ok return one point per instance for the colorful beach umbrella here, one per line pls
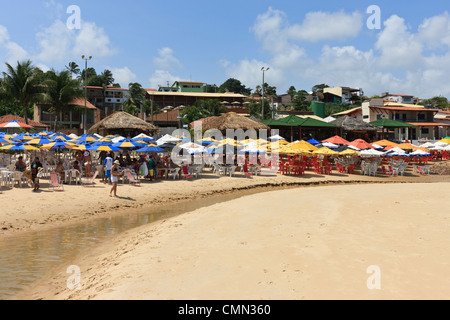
(7, 141)
(105, 140)
(386, 143)
(337, 140)
(19, 147)
(128, 144)
(349, 152)
(23, 137)
(107, 148)
(361, 144)
(151, 148)
(40, 141)
(58, 145)
(445, 140)
(60, 136)
(303, 145)
(15, 124)
(406, 146)
(326, 152)
(314, 142)
(85, 138)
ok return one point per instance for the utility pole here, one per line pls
(263, 69)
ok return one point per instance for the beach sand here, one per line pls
(23, 211)
(303, 243)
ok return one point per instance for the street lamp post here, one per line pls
(85, 91)
(263, 69)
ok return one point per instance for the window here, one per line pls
(365, 117)
(403, 130)
(425, 131)
(404, 117)
(379, 116)
(397, 116)
(421, 117)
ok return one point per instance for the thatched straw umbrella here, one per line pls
(353, 124)
(234, 121)
(122, 123)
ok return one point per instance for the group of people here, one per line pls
(35, 168)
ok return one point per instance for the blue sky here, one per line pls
(304, 43)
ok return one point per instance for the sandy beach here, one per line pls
(303, 243)
(24, 211)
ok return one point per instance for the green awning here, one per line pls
(294, 121)
(291, 121)
(388, 123)
(311, 122)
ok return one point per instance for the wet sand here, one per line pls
(303, 243)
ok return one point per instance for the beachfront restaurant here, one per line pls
(294, 128)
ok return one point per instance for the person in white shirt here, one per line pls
(108, 164)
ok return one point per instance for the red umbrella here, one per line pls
(14, 124)
(361, 144)
(337, 140)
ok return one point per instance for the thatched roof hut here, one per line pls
(122, 123)
(353, 124)
(234, 121)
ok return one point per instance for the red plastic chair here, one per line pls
(186, 173)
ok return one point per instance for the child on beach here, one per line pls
(115, 174)
(36, 166)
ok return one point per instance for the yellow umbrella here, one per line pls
(105, 139)
(303, 145)
(446, 140)
(406, 146)
(298, 151)
(349, 152)
(228, 141)
(421, 148)
(386, 143)
(326, 152)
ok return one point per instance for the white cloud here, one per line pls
(162, 78)
(124, 76)
(59, 44)
(166, 60)
(319, 26)
(250, 74)
(435, 31)
(282, 40)
(10, 51)
(400, 60)
(92, 40)
(398, 46)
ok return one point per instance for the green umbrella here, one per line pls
(388, 123)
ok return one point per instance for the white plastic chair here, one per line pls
(16, 177)
(173, 173)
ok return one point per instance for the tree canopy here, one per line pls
(234, 85)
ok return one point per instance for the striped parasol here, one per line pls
(85, 138)
(19, 147)
(58, 145)
(41, 141)
(151, 148)
(128, 144)
(15, 124)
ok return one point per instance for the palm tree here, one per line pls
(107, 77)
(135, 102)
(21, 83)
(60, 91)
(73, 68)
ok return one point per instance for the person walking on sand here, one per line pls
(36, 166)
(108, 163)
(115, 174)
